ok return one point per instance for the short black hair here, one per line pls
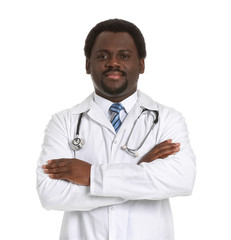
(116, 25)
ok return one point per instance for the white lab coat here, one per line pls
(125, 201)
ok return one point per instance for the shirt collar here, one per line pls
(105, 104)
(141, 100)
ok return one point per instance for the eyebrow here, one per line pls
(121, 51)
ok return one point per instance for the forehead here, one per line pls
(111, 41)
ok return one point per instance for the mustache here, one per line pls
(112, 69)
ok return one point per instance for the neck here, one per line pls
(115, 99)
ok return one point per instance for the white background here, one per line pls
(188, 67)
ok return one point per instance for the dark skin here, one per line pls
(114, 66)
(114, 62)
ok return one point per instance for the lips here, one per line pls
(114, 74)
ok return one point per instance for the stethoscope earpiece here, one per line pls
(130, 151)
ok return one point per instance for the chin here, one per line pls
(115, 91)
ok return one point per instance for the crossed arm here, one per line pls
(78, 171)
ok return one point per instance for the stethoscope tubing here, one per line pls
(79, 122)
(78, 143)
(133, 151)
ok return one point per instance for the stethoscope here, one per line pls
(77, 143)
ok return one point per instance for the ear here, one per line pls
(88, 66)
(142, 65)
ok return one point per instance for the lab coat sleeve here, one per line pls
(159, 179)
(61, 194)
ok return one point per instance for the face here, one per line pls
(114, 65)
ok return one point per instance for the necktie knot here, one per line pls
(116, 122)
(116, 107)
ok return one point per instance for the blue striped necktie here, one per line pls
(115, 121)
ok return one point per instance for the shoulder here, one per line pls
(146, 101)
(84, 106)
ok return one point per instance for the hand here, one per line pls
(161, 150)
(73, 170)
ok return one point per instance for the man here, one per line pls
(106, 189)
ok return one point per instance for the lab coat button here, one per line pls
(115, 142)
(112, 208)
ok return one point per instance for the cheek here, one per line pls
(133, 72)
(96, 76)
(97, 69)
(94, 73)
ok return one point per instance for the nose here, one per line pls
(113, 61)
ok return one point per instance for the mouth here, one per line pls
(114, 74)
(114, 81)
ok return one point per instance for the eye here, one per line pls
(102, 56)
(125, 56)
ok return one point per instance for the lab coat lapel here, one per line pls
(131, 117)
(97, 114)
(143, 102)
(93, 111)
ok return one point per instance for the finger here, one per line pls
(57, 176)
(164, 143)
(166, 146)
(57, 160)
(56, 170)
(160, 145)
(172, 147)
(55, 163)
(168, 151)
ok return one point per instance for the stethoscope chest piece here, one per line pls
(77, 143)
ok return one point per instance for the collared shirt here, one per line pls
(105, 104)
(125, 201)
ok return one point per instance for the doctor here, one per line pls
(105, 192)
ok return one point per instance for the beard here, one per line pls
(116, 91)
